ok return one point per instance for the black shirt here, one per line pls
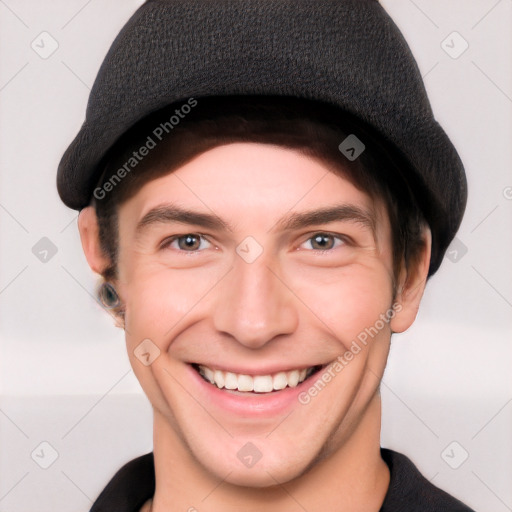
(408, 490)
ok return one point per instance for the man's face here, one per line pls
(224, 269)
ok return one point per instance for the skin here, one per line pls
(295, 306)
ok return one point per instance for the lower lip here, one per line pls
(247, 403)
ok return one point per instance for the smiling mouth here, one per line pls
(255, 383)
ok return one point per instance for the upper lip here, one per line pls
(267, 370)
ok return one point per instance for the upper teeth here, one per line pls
(256, 383)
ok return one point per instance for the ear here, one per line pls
(411, 287)
(89, 235)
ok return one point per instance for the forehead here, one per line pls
(252, 186)
(264, 174)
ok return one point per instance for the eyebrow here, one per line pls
(342, 212)
(168, 213)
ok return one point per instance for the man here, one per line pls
(265, 192)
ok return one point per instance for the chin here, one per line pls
(275, 465)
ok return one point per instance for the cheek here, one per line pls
(161, 301)
(346, 301)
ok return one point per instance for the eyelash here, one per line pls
(167, 242)
(342, 238)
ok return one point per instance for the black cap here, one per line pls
(347, 53)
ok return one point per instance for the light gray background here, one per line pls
(64, 375)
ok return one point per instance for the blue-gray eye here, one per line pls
(323, 241)
(190, 242)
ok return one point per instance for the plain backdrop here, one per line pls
(65, 379)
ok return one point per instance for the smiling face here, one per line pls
(254, 273)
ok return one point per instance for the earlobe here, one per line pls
(89, 235)
(411, 287)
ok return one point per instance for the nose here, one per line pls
(254, 304)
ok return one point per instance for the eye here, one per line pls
(323, 242)
(191, 242)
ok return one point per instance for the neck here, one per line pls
(352, 477)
